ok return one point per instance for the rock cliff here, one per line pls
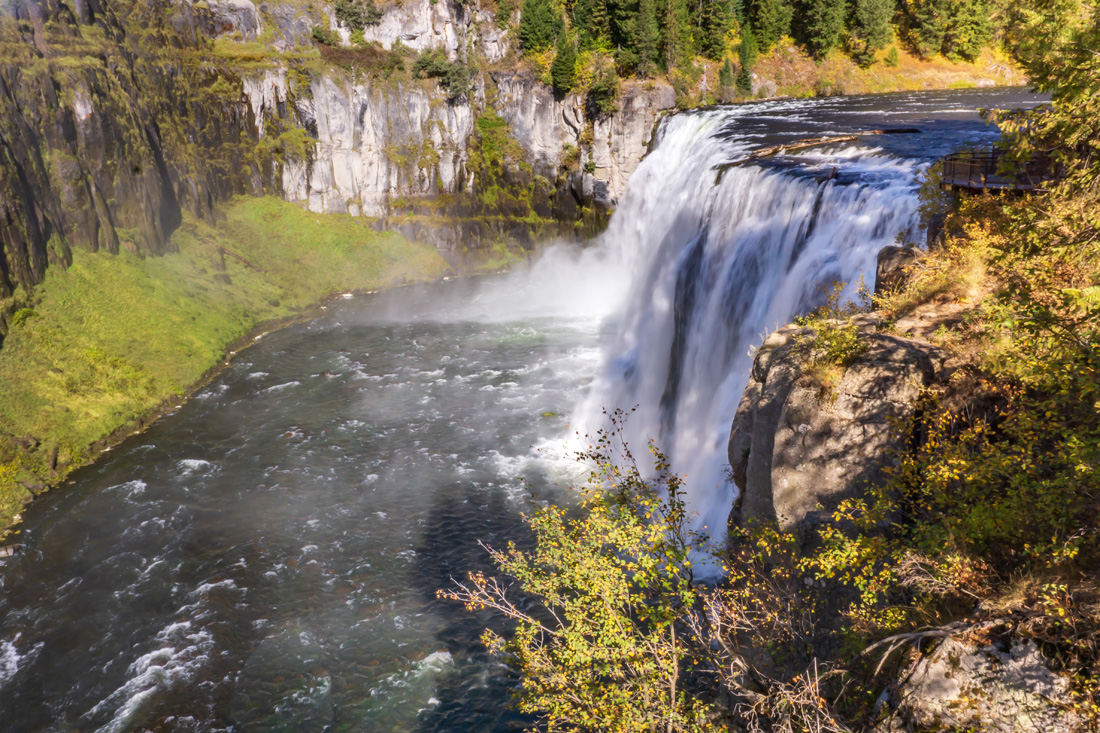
(118, 115)
(797, 450)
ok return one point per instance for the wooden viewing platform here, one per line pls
(978, 170)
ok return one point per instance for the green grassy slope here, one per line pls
(108, 340)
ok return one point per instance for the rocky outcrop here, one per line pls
(1005, 687)
(797, 448)
(891, 267)
(544, 125)
(457, 28)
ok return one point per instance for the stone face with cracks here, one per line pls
(796, 453)
(1000, 688)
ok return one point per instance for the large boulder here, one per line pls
(1005, 687)
(797, 449)
(891, 267)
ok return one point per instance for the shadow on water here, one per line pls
(460, 518)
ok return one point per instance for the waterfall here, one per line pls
(715, 257)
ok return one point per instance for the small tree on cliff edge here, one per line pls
(563, 72)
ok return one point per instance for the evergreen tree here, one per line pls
(539, 25)
(622, 19)
(563, 72)
(727, 81)
(747, 58)
(771, 19)
(592, 21)
(968, 29)
(646, 37)
(726, 76)
(749, 49)
(870, 28)
(821, 23)
(928, 25)
(715, 18)
(676, 32)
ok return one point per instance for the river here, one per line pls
(266, 558)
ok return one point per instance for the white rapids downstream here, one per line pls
(266, 558)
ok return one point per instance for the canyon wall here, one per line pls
(116, 116)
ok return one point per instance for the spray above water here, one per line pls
(716, 256)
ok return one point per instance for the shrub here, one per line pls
(324, 37)
(605, 647)
(21, 316)
(603, 92)
(892, 57)
(369, 57)
(355, 14)
(453, 76)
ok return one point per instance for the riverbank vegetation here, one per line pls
(986, 530)
(102, 344)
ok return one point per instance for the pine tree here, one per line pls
(968, 29)
(747, 58)
(726, 76)
(927, 21)
(646, 37)
(870, 28)
(727, 81)
(715, 18)
(749, 50)
(539, 25)
(820, 26)
(563, 72)
(622, 17)
(592, 21)
(771, 20)
(676, 31)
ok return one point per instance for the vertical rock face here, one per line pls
(119, 115)
(797, 451)
(545, 125)
(375, 144)
(456, 28)
(94, 141)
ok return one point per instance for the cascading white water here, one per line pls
(717, 259)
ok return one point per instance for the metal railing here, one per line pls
(980, 169)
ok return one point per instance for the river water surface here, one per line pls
(266, 558)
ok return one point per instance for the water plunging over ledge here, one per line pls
(266, 558)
